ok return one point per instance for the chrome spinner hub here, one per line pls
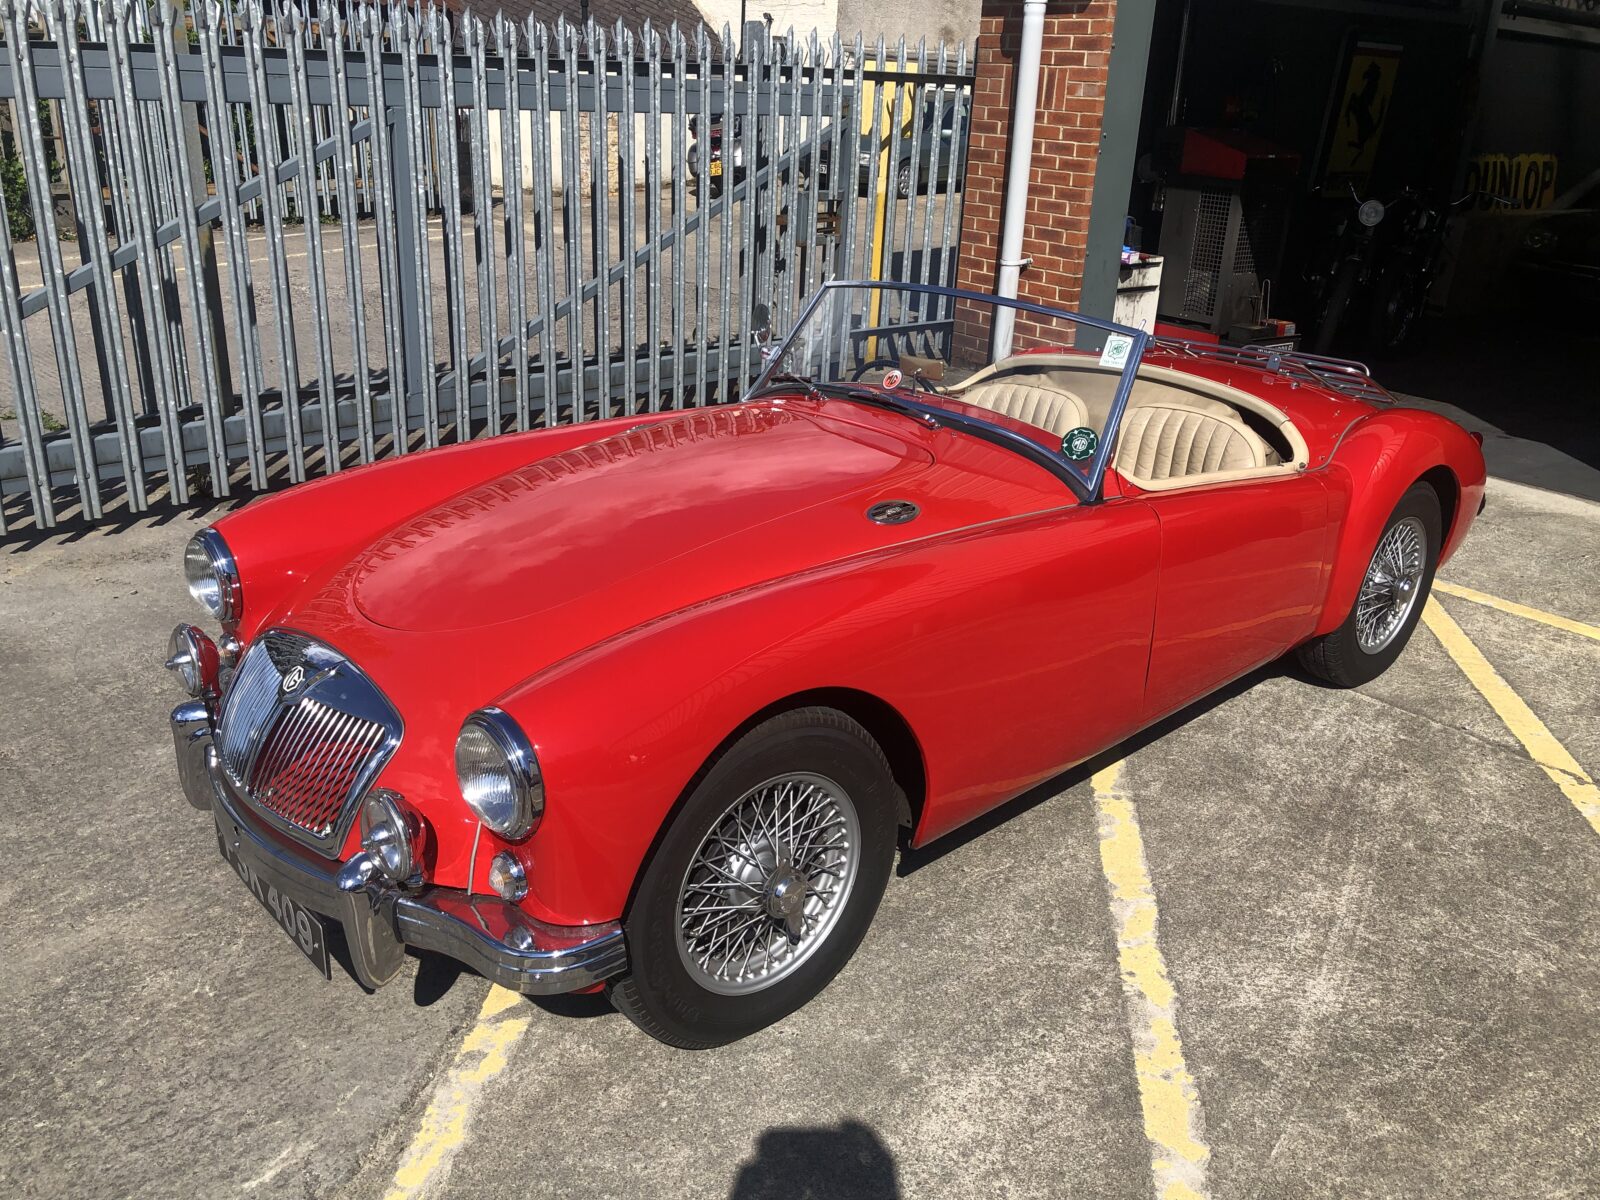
(768, 883)
(786, 898)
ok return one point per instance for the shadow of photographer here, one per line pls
(848, 1162)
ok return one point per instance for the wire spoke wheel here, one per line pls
(767, 884)
(1392, 584)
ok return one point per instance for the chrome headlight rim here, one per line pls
(522, 774)
(221, 572)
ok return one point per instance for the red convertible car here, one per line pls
(648, 704)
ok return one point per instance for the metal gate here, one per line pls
(292, 242)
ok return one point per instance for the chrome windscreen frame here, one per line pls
(1087, 482)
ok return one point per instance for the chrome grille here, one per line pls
(302, 755)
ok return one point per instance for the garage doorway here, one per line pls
(1409, 186)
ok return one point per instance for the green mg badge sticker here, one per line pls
(1079, 443)
(1115, 353)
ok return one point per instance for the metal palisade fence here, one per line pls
(248, 245)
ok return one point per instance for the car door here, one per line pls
(1243, 568)
(1031, 643)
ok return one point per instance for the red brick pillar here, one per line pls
(1072, 92)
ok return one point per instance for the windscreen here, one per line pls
(1065, 378)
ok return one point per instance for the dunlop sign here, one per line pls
(1526, 180)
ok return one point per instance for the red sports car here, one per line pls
(649, 703)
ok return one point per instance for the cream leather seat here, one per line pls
(1048, 408)
(1169, 441)
(1146, 393)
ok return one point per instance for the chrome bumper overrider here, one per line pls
(493, 937)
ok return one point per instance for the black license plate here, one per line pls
(305, 928)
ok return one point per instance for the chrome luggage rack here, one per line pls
(1340, 374)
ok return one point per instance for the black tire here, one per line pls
(1396, 310)
(1344, 286)
(1338, 657)
(659, 993)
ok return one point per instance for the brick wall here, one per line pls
(1072, 90)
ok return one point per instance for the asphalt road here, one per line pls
(1373, 968)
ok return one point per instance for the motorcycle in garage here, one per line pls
(1383, 262)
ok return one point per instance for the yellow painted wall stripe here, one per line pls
(483, 1055)
(1539, 742)
(1173, 1119)
(1518, 610)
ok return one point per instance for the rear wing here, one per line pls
(1339, 374)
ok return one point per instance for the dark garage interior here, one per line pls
(1413, 185)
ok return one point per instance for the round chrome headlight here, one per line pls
(193, 658)
(499, 774)
(213, 578)
(386, 835)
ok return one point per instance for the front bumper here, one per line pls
(493, 937)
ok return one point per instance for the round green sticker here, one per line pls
(1079, 443)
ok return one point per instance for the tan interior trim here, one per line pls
(1299, 457)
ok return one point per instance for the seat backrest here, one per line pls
(1150, 391)
(1048, 408)
(1168, 441)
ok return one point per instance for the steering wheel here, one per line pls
(876, 364)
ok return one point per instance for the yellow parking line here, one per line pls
(1518, 610)
(1173, 1119)
(483, 1055)
(1539, 742)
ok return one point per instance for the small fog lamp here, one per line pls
(192, 657)
(507, 877)
(389, 835)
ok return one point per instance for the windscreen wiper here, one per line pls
(809, 386)
(845, 391)
(937, 418)
(888, 400)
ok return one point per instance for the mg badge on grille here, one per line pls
(293, 680)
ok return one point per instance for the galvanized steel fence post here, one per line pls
(348, 147)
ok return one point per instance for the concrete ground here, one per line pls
(1376, 914)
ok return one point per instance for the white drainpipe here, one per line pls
(1017, 170)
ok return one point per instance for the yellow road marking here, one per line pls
(1539, 742)
(483, 1055)
(1518, 610)
(1173, 1119)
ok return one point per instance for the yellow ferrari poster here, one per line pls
(1358, 121)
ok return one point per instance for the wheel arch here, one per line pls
(1447, 487)
(882, 721)
(1380, 460)
(879, 718)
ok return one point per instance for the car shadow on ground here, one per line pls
(437, 975)
(846, 1162)
(912, 860)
